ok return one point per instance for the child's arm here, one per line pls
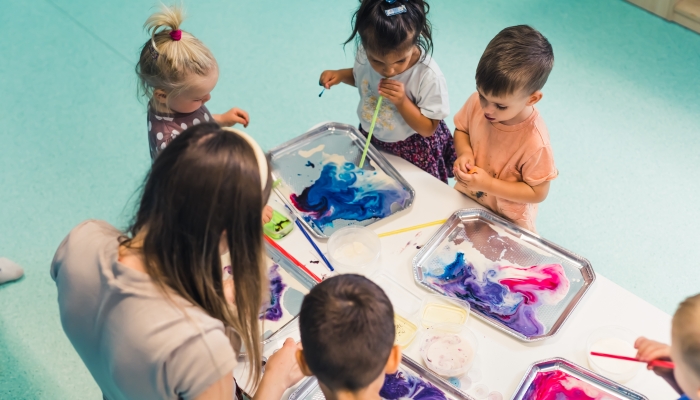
(333, 77)
(479, 180)
(465, 154)
(395, 92)
(649, 350)
(232, 117)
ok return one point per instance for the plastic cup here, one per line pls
(448, 349)
(613, 340)
(354, 250)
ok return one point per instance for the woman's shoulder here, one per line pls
(83, 242)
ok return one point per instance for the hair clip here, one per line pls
(394, 11)
(154, 52)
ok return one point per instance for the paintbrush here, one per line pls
(311, 241)
(652, 363)
(292, 259)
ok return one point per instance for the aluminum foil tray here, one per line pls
(303, 281)
(309, 389)
(297, 164)
(607, 388)
(491, 240)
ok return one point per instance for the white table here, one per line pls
(503, 359)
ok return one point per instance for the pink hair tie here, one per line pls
(176, 35)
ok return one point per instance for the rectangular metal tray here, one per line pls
(599, 382)
(337, 139)
(296, 273)
(517, 245)
(309, 389)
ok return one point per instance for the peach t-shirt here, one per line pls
(512, 153)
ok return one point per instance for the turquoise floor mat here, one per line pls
(621, 105)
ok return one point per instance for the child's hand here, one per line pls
(476, 179)
(267, 214)
(232, 117)
(462, 162)
(649, 350)
(330, 78)
(394, 91)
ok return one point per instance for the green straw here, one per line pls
(371, 130)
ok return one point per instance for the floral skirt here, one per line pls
(435, 155)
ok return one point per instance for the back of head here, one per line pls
(381, 33)
(171, 54)
(208, 181)
(518, 58)
(347, 331)
(686, 332)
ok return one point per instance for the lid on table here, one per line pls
(406, 306)
(438, 309)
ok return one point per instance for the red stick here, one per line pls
(653, 363)
(292, 259)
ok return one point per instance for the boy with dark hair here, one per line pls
(347, 334)
(684, 350)
(504, 158)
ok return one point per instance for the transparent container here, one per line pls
(613, 340)
(354, 250)
(448, 350)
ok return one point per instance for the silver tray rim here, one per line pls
(589, 276)
(372, 153)
(311, 382)
(599, 379)
(296, 273)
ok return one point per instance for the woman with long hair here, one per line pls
(147, 310)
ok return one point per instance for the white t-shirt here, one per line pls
(136, 343)
(424, 84)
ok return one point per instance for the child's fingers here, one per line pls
(244, 114)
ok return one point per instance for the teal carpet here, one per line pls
(622, 106)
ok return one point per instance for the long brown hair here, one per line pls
(207, 182)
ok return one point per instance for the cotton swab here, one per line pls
(292, 259)
(653, 363)
(321, 94)
(371, 130)
(411, 228)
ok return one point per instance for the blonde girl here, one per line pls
(177, 73)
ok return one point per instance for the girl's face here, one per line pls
(195, 94)
(395, 62)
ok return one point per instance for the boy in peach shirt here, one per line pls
(504, 158)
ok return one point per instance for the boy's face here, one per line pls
(686, 378)
(508, 108)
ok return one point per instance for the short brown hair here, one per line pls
(519, 57)
(347, 331)
(686, 328)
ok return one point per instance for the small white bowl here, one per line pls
(613, 340)
(448, 350)
(354, 249)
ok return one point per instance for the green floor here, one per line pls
(622, 106)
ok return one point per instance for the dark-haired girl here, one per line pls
(394, 46)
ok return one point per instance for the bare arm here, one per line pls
(395, 92)
(465, 154)
(333, 77)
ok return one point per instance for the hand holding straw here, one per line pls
(371, 130)
(653, 363)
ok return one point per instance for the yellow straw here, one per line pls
(412, 228)
(371, 130)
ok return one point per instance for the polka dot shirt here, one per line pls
(163, 128)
